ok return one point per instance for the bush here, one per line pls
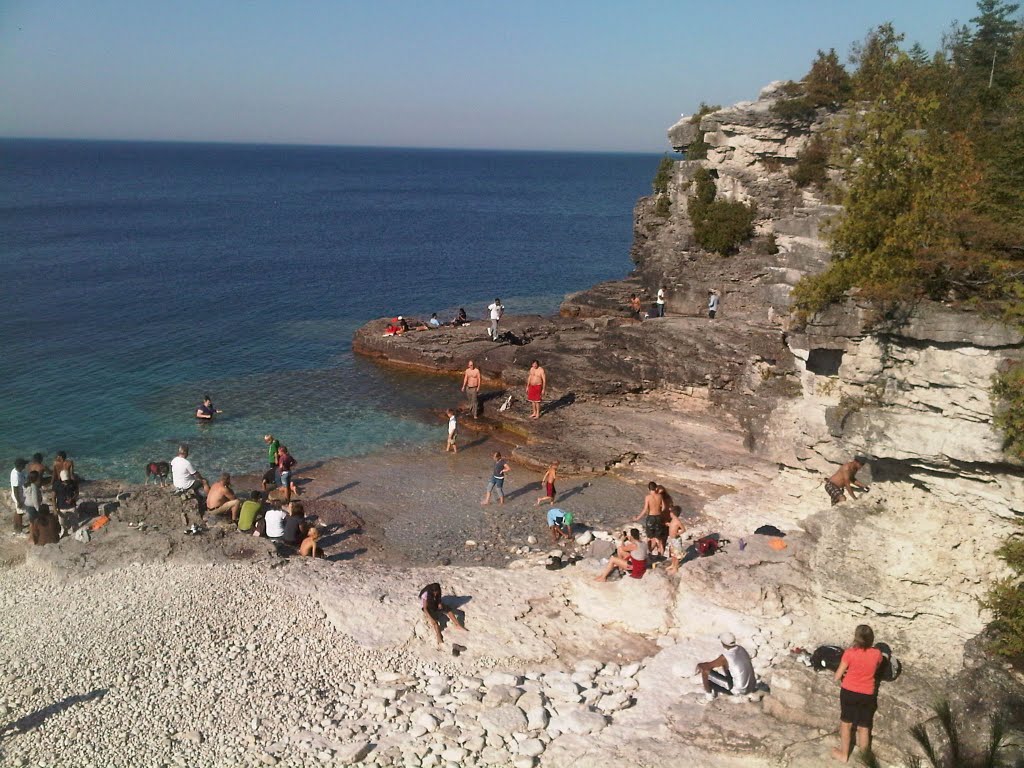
(766, 246)
(666, 168)
(698, 149)
(663, 206)
(799, 109)
(718, 225)
(828, 83)
(811, 164)
(1008, 391)
(1006, 601)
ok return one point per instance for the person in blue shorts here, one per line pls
(497, 482)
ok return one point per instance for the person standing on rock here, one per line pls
(736, 677)
(659, 302)
(471, 386)
(62, 463)
(431, 603)
(272, 445)
(497, 310)
(65, 499)
(453, 432)
(651, 515)
(712, 303)
(19, 479)
(536, 385)
(548, 482)
(634, 307)
(497, 482)
(858, 694)
(844, 481)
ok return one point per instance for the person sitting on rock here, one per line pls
(844, 481)
(736, 677)
(630, 558)
(295, 527)
(185, 476)
(560, 524)
(460, 317)
(250, 513)
(433, 322)
(222, 500)
(44, 528)
(431, 603)
(272, 524)
(309, 546)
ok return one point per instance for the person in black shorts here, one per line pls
(858, 697)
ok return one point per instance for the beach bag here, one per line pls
(707, 546)
(507, 404)
(826, 657)
(890, 667)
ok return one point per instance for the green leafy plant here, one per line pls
(663, 175)
(718, 225)
(811, 164)
(767, 245)
(663, 206)
(698, 149)
(1008, 391)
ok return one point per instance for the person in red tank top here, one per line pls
(858, 695)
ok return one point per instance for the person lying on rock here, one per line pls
(844, 481)
(736, 677)
(631, 557)
(432, 603)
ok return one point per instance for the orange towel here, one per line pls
(99, 522)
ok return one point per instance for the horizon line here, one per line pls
(317, 145)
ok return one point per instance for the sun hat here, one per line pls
(728, 639)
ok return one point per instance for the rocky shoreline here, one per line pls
(145, 646)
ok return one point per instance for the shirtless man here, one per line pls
(844, 481)
(634, 306)
(36, 465)
(651, 515)
(536, 384)
(471, 386)
(221, 500)
(62, 463)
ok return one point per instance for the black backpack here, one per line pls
(826, 657)
(890, 667)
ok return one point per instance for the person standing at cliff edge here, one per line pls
(496, 310)
(660, 302)
(712, 303)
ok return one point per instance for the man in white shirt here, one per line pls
(18, 481)
(736, 677)
(496, 310)
(660, 301)
(187, 478)
(272, 524)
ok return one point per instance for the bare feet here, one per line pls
(484, 503)
(837, 754)
(600, 578)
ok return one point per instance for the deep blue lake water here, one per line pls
(137, 276)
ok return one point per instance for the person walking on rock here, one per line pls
(548, 482)
(858, 694)
(496, 310)
(844, 481)
(536, 385)
(453, 433)
(497, 482)
(471, 386)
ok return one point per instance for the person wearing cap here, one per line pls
(736, 677)
(560, 523)
(496, 311)
(65, 499)
(844, 481)
(712, 303)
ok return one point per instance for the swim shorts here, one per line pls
(652, 526)
(549, 490)
(857, 709)
(637, 568)
(533, 393)
(834, 492)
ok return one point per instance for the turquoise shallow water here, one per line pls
(139, 276)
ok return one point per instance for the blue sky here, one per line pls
(519, 75)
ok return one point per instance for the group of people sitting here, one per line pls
(400, 325)
(270, 513)
(662, 537)
(31, 482)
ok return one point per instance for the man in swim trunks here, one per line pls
(634, 307)
(844, 481)
(497, 483)
(548, 482)
(536, 384)
(651, 515)
(471, 386)
(62, 463)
